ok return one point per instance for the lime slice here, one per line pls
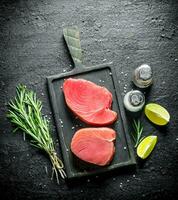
(146, 146)
(157, 114)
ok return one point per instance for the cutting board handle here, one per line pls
(72, 38)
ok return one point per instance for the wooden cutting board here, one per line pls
(67, 124)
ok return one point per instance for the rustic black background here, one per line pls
(127, 32)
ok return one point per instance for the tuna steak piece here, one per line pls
(90, 102)
(94, 145)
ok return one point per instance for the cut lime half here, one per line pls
(157, 114)
(146, 146)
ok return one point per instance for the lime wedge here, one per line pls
(157, 114)
(146, 146)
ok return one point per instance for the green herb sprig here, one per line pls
(138, 129)
(25, 112)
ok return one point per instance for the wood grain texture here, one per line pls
(72, 38)
(127, 32)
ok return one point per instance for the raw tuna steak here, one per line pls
(90, 102)
(94, 145)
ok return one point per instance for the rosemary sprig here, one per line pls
(136, 135)
(25, 112)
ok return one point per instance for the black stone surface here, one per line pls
(128, 33)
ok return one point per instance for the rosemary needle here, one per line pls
(138, 129)
(25, 112)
